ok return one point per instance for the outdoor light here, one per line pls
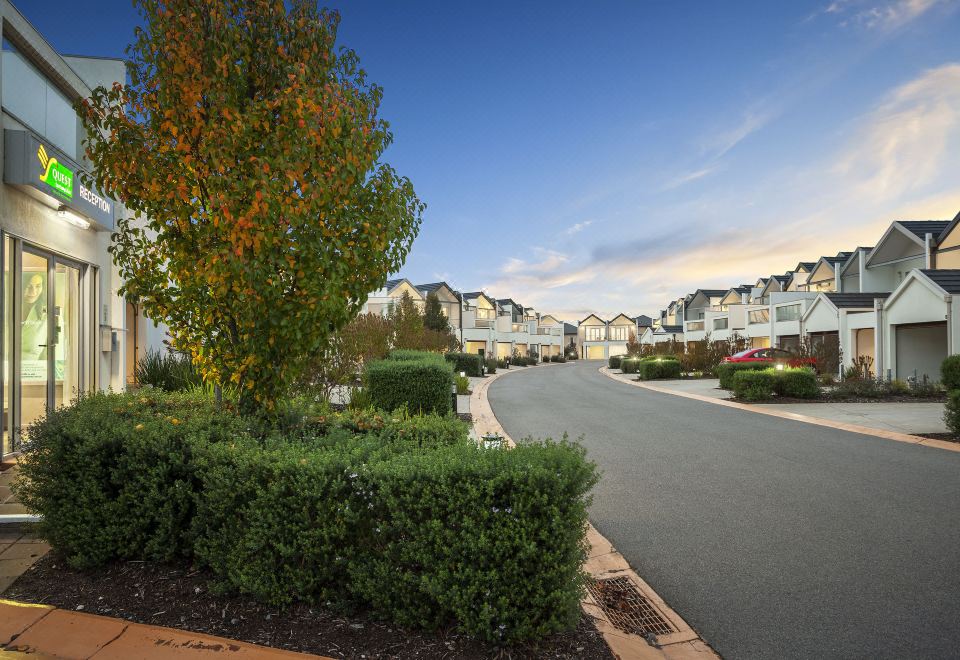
(780, 367)
(73, 218)
(463, 374)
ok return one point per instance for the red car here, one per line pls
(772, 355)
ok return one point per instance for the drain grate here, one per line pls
(627, 608)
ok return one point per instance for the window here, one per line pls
(618, 333)
(595, 333)
(759, 316)
(789, 312)
(34, 100)
(721, 324)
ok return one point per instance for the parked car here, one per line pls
(773, 356)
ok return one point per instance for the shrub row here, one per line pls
(469, 363)
(726, 370)
(657, 367)
(754, 385)
(405, 516)
(558, 358)
(614, 361)
(420, 381)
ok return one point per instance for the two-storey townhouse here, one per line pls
(64, 330)
(592, 337)
(549, 335)
(479, 329)
(728, 317)
(695, 310)
(450, 303)
(918, 323)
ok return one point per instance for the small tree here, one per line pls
(251, 146)
(410, 329)
(433, 316)
(634, 348)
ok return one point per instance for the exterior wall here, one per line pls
(887, 277)
(850, 283)
(914, 304)
(948, 258)
(475, 347)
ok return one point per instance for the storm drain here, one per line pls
(627, 608)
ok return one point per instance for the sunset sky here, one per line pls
(606, 157)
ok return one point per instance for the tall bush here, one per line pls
(423, 385)
(951, 413)
(469, 363)
(950, 372)
(613, 362)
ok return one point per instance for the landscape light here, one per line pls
(73, 218)
(780, 367)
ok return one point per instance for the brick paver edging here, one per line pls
(50, 632)
(807, 419)
(604, 562)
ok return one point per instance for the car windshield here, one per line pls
(743, 353)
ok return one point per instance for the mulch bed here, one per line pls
(178, 597)
(857, 399)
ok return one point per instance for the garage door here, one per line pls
(595, 353)
(503, 349)
(475, 347)
(920, 350)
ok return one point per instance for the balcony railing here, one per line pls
(693, 326)
(518, 327)
(483, 323)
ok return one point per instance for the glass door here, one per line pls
(44, 337)
(36, 336)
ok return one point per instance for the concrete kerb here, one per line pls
(818, 421)
(604, 562)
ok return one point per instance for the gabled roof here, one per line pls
(743, 288)
(473, 295)
(669, 329)
(946, 279)
(854, 300)
(948, 228)
(921, 228)
(433, 287)
(390, 285)
(806, 266)
(569, 328)
(643, 321)
(594, 316)
(852, 259)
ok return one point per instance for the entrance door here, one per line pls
(47, 330)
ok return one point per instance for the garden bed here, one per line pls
(178, 597)
(948, 437)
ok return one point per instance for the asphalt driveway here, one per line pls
(772, 538)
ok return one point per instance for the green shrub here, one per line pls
(614, 361)
(629, 365)
(166, 370)
(421, 385)
(503, 363)
(469, 363)
(797, 383)
(899, 387)
(462, 384)
(753, 385)
(491, 365)
(408, 354)
(951, 413)
(726, 370)
(950, 372)
(652, 369)
(403, 515)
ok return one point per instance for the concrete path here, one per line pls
(771, 537)
(908, 417)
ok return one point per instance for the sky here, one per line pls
(607, 157)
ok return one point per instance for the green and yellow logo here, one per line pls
(55, 175)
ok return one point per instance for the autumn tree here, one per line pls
(250, 150)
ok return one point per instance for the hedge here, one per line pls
(796, 383)
(950, 372)
(408, 354)
(652, 369)
(951, 413)
(404, 516)
(629, 365)
(613, 361)
(422, 385)
(469, 363)
(726, 370)
(753, 385)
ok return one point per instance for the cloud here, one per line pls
(580, 226)
(903, 145)
(882, 17)
(689, 177)
(752, 121)
(897, 161)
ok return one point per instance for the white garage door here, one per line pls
(920, 350)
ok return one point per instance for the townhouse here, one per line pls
(481, 323)
(598, 339)
(890, 305)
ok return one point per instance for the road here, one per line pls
(772, 538)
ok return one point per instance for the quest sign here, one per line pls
(28, 161)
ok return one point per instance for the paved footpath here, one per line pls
(772, 538)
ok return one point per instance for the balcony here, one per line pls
(518, 327)
(483, 323)
(694, 326)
